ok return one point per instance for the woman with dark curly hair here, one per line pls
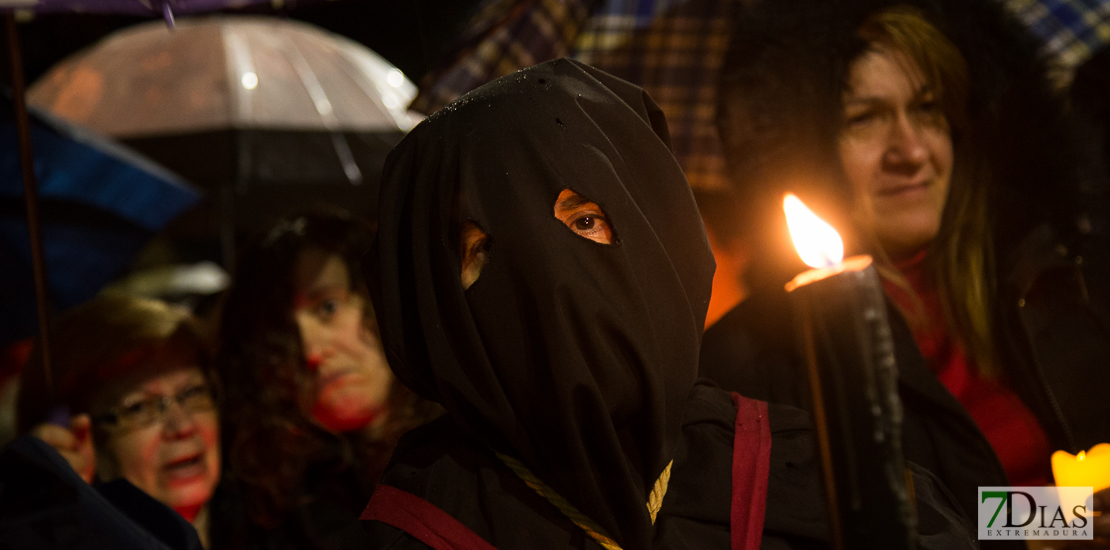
(312, 410)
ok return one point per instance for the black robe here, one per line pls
(439, 463)
(576, 357)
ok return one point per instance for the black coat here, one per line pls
(780, 120)
(440, 464)
(1052, 317)
(44, 505)
(575, 356)
(334, 490)
(326, 518)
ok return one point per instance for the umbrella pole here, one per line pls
(31, 196)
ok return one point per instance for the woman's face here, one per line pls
(173, 456)
(896, 148)
(352, 376)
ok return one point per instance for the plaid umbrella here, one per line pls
(674, 49)
(1072, 30)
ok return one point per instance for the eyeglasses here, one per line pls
(197, 398)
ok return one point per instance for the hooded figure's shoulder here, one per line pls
(443, 466)
(751, 349)
(697, 509)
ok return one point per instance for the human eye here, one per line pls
(192, 391)
(133, 405)
(478, 252)
(860, 118)
(930, 112)
(196, 397)
(328, 303)
(474, 247)
(139, 411)
(583, 217)
(591, 225)
(327, 308)
(928, 107)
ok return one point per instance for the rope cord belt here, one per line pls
(595, 531)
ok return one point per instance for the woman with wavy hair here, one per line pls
(928, 132)
(312, 411)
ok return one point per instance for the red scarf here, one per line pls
(1010, 427)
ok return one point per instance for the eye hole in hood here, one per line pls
(583, 217)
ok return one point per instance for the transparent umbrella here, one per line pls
(165, 8)
(265, 111)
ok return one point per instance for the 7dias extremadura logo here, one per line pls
(1044, 513)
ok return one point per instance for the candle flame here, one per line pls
(817, 242)
(1081, 455)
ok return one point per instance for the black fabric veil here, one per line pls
(573, 356)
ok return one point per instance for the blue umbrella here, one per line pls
(22, 125)
(100, 203)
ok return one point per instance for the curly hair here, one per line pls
(268, 385)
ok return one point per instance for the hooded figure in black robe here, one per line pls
(574, 358)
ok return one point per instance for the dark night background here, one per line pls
(411, 34)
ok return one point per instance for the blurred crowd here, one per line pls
(545, 328)
(302, 403)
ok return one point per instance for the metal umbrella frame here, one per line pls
(276, 108)
(163, 8)
(30, 194)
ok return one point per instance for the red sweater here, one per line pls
(1009, 426)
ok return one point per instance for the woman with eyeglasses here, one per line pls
(133, 375)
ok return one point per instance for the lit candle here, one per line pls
(1087, 469)
(849, 356)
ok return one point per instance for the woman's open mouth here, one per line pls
(186, 467)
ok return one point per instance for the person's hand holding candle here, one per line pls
(1088, 469)
(1102, 520)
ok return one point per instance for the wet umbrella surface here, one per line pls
(267, 113)
(100, 204)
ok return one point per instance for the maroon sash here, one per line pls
(421, 519)
(751, 464)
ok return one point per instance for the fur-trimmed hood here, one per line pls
(780, 113)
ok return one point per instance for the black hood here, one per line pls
(573, 356)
